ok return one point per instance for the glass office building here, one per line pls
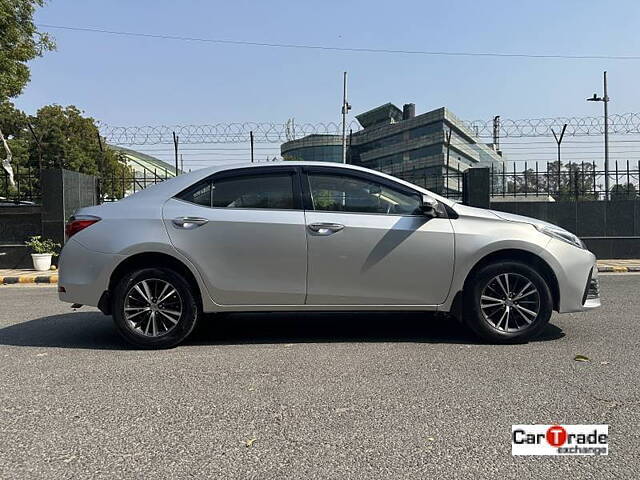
(408, 146)
(314, 148)
(415, 148)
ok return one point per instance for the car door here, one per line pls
(244, 231)
(369, 243)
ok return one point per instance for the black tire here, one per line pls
(184, 298)
(480, 321)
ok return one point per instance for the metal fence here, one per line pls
(574, 181)
(115, 187)
(538, 182)
(26, 189)
(448, 184)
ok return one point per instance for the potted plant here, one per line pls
(43, 251)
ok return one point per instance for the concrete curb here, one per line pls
(618, 269)
(29, 279)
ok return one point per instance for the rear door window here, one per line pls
(259, 191)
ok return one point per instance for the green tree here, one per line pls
(66, 139)
(70, 140)
(12, 120)
(562, 181)
(623, 191)
(575, 181)
(20, 41)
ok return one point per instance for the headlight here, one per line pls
(561, 234)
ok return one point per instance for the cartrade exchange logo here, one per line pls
(560, 439)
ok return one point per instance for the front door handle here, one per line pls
(325, 228)
(189, 223)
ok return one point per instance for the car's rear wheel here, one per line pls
(507, 302)
(154, 308)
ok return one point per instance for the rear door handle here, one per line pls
(325, 228)
(189, 223)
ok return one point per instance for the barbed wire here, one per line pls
(626, 123)
(273, 132)
(265, 132)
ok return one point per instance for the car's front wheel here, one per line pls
(154, 308)
(507, 302)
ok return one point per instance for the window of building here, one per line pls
(425, 130)
(324, 153)
(381, 142)
(389, 160)
(425, 151)
(342, 193)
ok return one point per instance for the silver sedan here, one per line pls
(315, 236)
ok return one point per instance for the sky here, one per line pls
(123, 80)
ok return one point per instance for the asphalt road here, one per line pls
(310, 396)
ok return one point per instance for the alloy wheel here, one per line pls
(152, 307)
(510, 302)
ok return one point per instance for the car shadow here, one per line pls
(92, 330)
(401, 230)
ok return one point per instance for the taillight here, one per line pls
(77, 223)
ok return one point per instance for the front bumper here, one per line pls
(575, 269)
(591, 297)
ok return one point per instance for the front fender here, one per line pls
(475, 238)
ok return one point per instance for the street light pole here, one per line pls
(604, 99)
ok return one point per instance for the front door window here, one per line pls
(342, 193)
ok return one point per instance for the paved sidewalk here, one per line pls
(8, 277)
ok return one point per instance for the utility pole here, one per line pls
(251, 141)
(345, 109)
(604, 99)
(176, 139)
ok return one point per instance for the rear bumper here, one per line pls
(84, 274)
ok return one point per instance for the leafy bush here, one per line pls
(38, 245)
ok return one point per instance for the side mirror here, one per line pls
(429, 206)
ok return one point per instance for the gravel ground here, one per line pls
(374, 395)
